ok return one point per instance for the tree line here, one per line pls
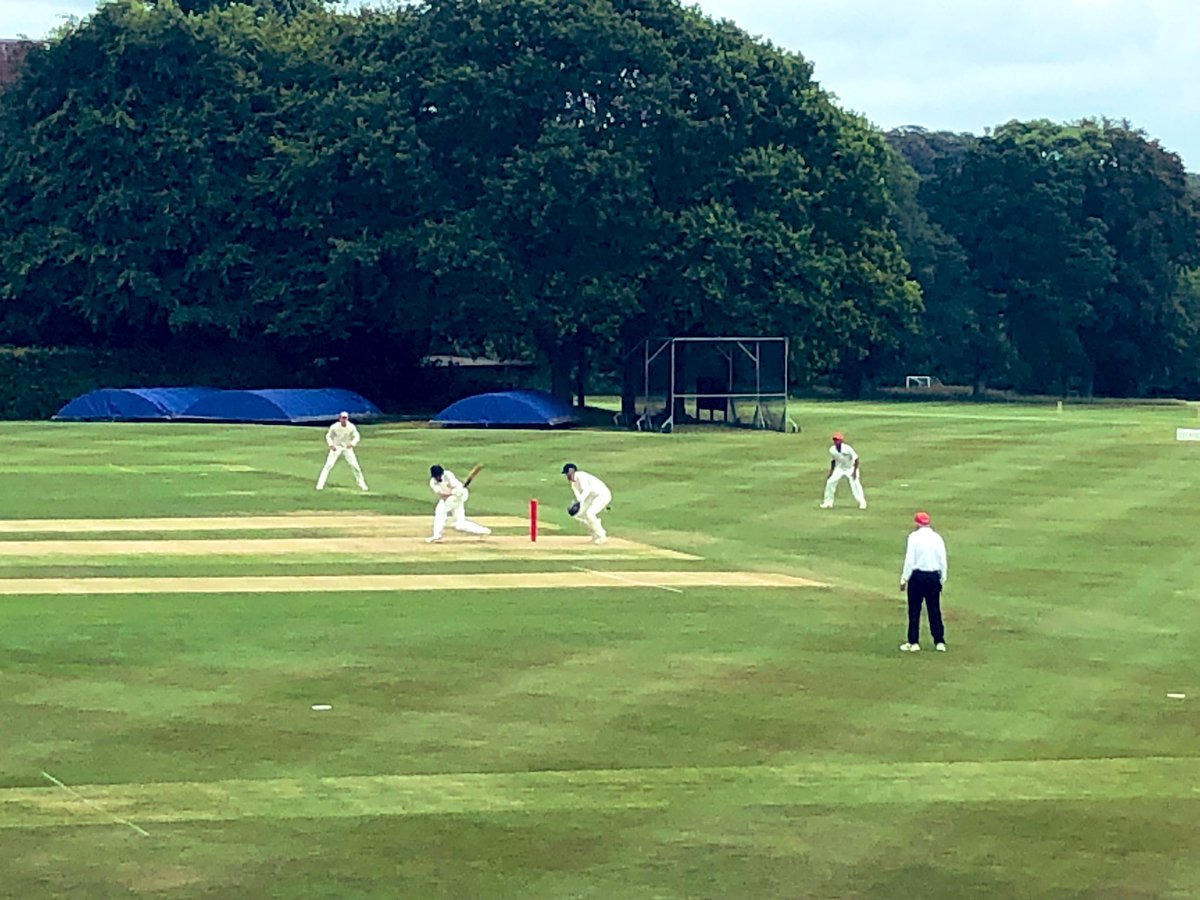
(1055, 258)
(559, 180)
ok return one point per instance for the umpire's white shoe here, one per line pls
(941, 648)
(910, 648)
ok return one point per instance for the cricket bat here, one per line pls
(471, 475)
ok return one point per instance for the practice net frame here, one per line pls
(735, 381)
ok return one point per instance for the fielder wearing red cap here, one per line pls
(924, 576)
(843, 463)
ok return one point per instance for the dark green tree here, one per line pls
(1078, 236)
(962, 337)
(128, 145)
(1140, 333)
(1015, 206)
(629, 169)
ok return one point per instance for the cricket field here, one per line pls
(218, 682)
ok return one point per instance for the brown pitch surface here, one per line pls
(572, 578)
(455, 547)
(399, 526)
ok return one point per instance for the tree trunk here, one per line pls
(581, 379)
(632, 375)
(560, 373)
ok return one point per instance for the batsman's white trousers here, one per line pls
(590, 514)
(455, 505)
(334, 454)
(855, 486)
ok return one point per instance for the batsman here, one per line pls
(452, 497)
(591, 496)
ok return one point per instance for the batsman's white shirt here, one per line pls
(341, 437)
(449, 480)
(588, 488)
(845, 458)
(926, 552)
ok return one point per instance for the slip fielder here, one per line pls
(341, 438)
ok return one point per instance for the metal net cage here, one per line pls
(733, 381)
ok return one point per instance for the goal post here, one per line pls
(733, 381)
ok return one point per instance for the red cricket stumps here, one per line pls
(533, 520)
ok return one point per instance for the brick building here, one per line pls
(11, 54)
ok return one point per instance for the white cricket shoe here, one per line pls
(433, 540)
(599, 539)
(862, 506)
(826, 506)
(910, 648)
(941, 648)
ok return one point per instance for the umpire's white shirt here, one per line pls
(588, 488)
(926, 553)
(844, 458)
(341, 437)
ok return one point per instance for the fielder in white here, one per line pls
(592, 495)
(452, 497)
(843, 464)
(342, 438)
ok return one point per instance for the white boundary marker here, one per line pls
(74, 793)
(649, 584)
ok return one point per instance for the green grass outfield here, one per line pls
(621, 742)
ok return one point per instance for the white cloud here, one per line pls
(963, 65)
(972, 64)
(38, 18)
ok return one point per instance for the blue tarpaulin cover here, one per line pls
(132, 404)
(294, 407)
(508, 409)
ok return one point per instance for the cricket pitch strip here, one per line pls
(396, 539)
(341, 523)
(458, 548)
(489, 581)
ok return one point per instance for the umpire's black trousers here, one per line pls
(925, 587)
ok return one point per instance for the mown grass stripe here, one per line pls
(808, 784)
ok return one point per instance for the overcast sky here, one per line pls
(962, 65)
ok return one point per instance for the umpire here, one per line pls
(925, 568)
